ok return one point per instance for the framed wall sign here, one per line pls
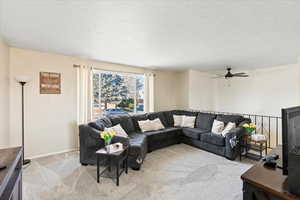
(50, 83)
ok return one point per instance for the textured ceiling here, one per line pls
(198, 34)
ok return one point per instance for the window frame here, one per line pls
(131, 74)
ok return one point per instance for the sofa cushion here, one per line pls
(137, 142)
(169, 117)
(138, 117)
(160, 115)
(101, 123)
(205, 120)
(193, 132)
(212, 138)
(162, 134)
(125, 121)
(237, 119)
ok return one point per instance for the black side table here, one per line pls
(112, 161)
(247, 144)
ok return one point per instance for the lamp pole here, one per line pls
(25, 161)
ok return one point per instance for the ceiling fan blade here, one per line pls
(241, 73)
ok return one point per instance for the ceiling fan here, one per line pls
(232, 75)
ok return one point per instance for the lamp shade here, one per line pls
(23, 78)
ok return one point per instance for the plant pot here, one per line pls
(250, 131)
(107, 146)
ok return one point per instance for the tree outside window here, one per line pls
(117, 93)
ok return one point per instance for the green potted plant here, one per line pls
(249, 128)
(107, 137)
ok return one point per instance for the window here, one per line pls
(117, 93)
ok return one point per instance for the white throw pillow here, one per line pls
(118, 129)
(228, 128)
(157, 125)
(217, 127)
(188, 121)
(150, 125)
(145, 125)
(177, 120)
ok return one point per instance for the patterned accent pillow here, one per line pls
(118, 129)
(228, 128)
(217, 127)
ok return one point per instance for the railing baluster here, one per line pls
(255, 122)
(276, 131)
(269, 132)
(262, 124)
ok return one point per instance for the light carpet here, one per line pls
(178, 172)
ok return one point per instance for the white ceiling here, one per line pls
(199, 34)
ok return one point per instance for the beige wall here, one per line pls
(183, 90)
(51, 119)
(168, 90)
(266, 91)
(4, 94)
(202, 89)
(197, 90)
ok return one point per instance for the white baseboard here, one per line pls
(52, 153)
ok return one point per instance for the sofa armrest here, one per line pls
(238, 132)
(90, 142)
(231, 150)
(90, 136)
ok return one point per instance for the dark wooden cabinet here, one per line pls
(261, 183)
(11, 177)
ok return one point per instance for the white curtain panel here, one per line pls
(149, 92)
(84, 91)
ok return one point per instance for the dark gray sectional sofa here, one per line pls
(142, 143)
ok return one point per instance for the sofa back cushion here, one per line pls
(237, 119)
(205, 121)
(169, 117)
(125, 121)
(159, 115)
(185, 112)
(138, 117)
(101, 123)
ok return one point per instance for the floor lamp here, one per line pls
(23, 80)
